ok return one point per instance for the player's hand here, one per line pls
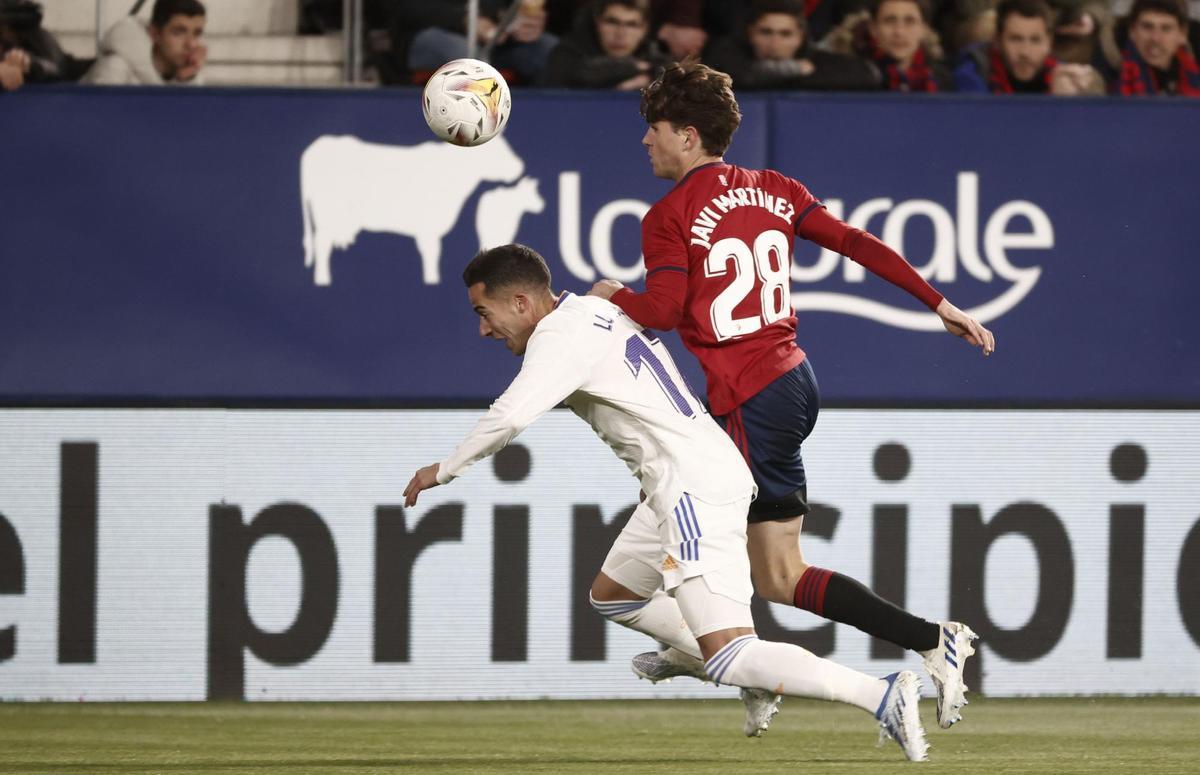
(422, 480)
(963, 325)
(605, 289)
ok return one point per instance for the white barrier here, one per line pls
(130, 538)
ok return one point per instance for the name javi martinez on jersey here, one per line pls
(707, 220)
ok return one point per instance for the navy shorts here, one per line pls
(769, 429)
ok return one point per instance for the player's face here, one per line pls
(1024, 44)
(1157, 37)
(620, 30)
(179, 40)
(503, 316)
(665, 144)
(898, 27)
(776, 36)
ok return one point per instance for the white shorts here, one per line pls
(695, 539)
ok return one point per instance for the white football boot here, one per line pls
(662, 666)
(669, 663)
(899, 717)
(945, 666)
(761, 707)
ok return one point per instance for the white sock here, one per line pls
(787, 669)
(658, 617)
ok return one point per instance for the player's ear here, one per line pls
(692, 138)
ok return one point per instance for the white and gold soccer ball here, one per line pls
(466, 102)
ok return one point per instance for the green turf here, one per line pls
(1149, 736)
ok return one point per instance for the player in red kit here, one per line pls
(718, 256)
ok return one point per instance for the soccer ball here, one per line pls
(466, 102)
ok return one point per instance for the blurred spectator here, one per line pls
(825, 15)
(1157, 60)
(513, 38)
(610, 48)
(773, 52)
(1084, 34)
(21, 30)
(896, 36)
(962, 24)
(170, 51)
(1020, 61)
(679, 25)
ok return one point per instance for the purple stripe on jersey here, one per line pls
(806, 211)
(683, 526)
(691, 512)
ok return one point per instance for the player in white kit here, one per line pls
(679, 571)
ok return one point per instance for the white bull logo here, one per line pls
(349, 186)
(498, 216)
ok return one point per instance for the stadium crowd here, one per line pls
(1059, 47)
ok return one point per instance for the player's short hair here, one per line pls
(691, 94)
(165, 9)
(508, 266)
(922, 6)
(1028, 9)
(1174, 8)
(792, 8)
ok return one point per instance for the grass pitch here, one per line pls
(1151, 736)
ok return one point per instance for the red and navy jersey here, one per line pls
(718, 253)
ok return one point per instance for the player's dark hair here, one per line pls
(165, 9)
(1174, 8)
(1028, 9)
(922, 6)
(691, 94)
(508, 266)
(640, 6)
(792, 8)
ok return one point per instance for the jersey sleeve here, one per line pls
(665, 247)
(553, 369)
(822, 228)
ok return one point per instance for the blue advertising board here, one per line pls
(273, 246)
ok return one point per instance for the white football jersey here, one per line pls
(623, 383)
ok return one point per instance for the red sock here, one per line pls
(810, 590)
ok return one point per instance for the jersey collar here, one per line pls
(694, 170)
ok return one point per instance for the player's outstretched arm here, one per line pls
(423, 479)
(963, 325)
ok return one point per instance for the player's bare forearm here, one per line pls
(423, 479)
(965, 327)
